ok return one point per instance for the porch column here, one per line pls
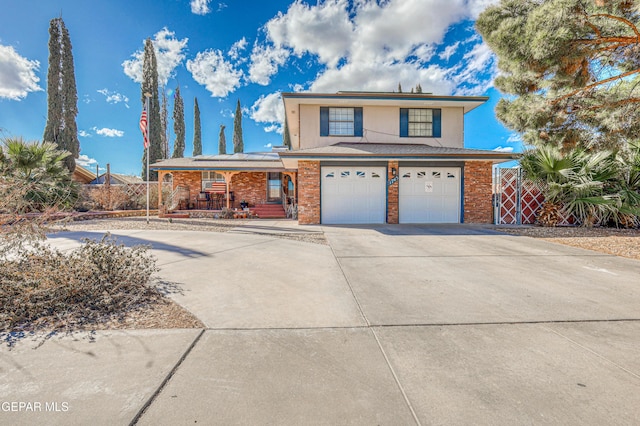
(227, 181)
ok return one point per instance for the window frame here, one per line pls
(436, 123)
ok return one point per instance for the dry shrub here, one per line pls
(43, 288)
(110, 197)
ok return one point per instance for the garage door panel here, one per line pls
(353, 195)
(429, 195)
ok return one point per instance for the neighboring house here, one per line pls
(361, 157)
(82, 175)
(116, 179)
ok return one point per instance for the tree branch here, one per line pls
(596, 84)
(621, 19)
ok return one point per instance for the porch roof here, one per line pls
(256, 161)
(349, 151)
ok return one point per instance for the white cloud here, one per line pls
(210, 69)
(433, 79)
(393, 40)
(269, 145)
(449, 51)
(265, 61)
(477, 6)
(504, 149)
(17, 74)
(269, 109)
(114, 97)
(234, 52)
(110, 133)
(324, 30)
(200, 7)
(169, 54)
(84, 134)
(86, 161)
(476, 71)
(514, 138)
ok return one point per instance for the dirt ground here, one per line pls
(619, 242)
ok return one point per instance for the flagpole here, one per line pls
(147, 96)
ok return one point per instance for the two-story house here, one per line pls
(361, 157)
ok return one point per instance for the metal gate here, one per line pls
(517, 199)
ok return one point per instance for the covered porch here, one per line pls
(257, 184)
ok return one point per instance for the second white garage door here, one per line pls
(353, 195)
(429, 195)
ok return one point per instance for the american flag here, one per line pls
(143, 127)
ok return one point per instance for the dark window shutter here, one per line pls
(324, 121)
(357, 121)
(437, 123)
(404, 122)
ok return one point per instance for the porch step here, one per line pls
(269, 211)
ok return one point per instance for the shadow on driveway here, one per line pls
(128, 241)
(422, 229)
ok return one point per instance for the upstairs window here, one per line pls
(340, 121)
(420, 123)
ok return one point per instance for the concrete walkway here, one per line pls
(385, 325)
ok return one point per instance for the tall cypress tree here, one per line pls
(222, 141)
(238, 144)
(62, 94)
(197, 131)
(178, 125)
(150, 85)
(164, 120)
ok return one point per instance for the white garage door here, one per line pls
(429, 195)
(353, 194)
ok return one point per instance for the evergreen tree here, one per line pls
(164, 120)
(570, 68)
(286, 138)
(178, 125)
(222, 141)
(399, 88)
(62, 94)
(238, 144)
(150, 85)
(418, 88)
(197, 131)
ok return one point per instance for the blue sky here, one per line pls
(222, 51)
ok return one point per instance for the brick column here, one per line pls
(392, 192)
(478, 191)
(308, 192)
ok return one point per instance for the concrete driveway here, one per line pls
(389, 325)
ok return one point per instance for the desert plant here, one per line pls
(46, 288)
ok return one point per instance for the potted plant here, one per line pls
(244, 204)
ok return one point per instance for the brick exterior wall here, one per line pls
(308, 192)
(190, 179)
(392, 193)
(250, 186)
(477, 192)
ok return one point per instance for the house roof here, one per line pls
(82, 175)
(383, 98)
(255, 161)
(116, 179)
(377, 151)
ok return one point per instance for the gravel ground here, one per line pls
(619, 242)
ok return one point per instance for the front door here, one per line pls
(274, 187)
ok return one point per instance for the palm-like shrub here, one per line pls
(595, 187)
(35, 176)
